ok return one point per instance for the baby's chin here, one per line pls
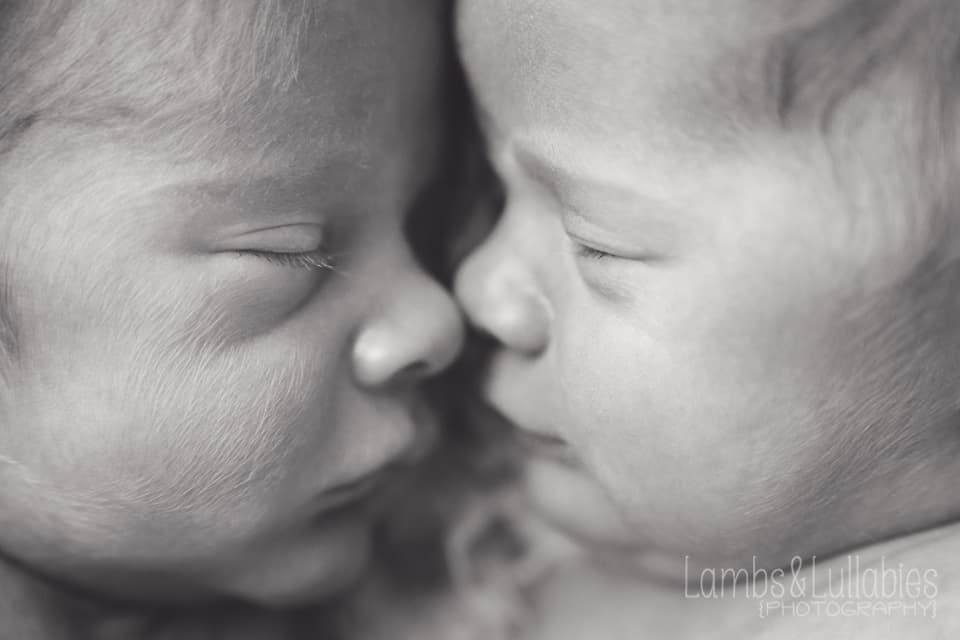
(571, 500)
(310, 568)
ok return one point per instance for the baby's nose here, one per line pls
(418, 333)
(500, 298)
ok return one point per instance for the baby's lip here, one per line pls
(353, 491)
(427, 429)
(361, 488)
(531, 442)
(548, 446)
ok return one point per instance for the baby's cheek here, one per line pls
(638, 417)
(608, 387)
(220, 434)
(609, 408)
(253, 296)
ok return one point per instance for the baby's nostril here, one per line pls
(418, 369)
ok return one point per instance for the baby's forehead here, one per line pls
(197, 74)
(702, 68)
(631, 31)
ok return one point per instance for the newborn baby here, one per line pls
(213, 328)
(724, 289)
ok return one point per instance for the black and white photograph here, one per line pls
(479, 319)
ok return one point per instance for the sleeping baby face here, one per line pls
(692, 315)
(217, 353)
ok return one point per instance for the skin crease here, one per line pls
(743, 374)
(180, 413)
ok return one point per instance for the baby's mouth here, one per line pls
(365, 492)
(352, 492)
(526, 442)
(550, 447)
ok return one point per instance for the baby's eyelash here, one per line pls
(317, 260)
(585, 251)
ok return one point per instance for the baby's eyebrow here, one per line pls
(538, 165)
(569, 184)
(590, 198)
(226, 202)
(333, 188)
(543, 167)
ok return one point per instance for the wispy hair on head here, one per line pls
(899, 62)
(879, 82)
(156, 67)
